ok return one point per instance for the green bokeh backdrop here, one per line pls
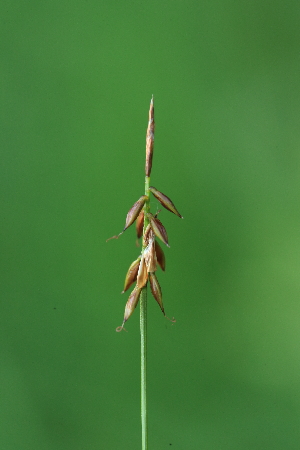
(76, 81)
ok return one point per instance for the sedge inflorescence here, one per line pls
(149, 228)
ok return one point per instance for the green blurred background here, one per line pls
(76, 81)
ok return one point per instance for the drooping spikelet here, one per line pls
(159, 229)
(132, 214)
(165, 201)
(156, 290)
(131, 274)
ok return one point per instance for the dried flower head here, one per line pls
(148, 226)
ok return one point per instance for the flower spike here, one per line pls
(148, 227)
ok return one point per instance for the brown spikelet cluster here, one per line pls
(149, 228)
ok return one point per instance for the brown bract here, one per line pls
(158, 229)
(131, 303)
(131, 275)
(140, 224)
(132, 215)
(160, 256)
(156, 290)
(142, 275)
(165, 201)
(135, 211)
(150, 255)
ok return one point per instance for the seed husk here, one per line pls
(140, 224)
(156, 290)
(142, 275)
(132, 214)
(150, 255)
(159, 229)
(165, 201)
(160, 256)
(130, 305)
(131, 275)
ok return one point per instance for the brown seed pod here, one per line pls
(135, 211)
(142, 275)
(150, 255)
(156, 290)
(158, 229)
(140, 224)
(160, 256)
(165, 201)
(132, 214)
(131, 275)
(131, 303)
(150, 139)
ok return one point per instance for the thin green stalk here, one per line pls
(143, 331)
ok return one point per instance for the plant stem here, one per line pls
(143, 331)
